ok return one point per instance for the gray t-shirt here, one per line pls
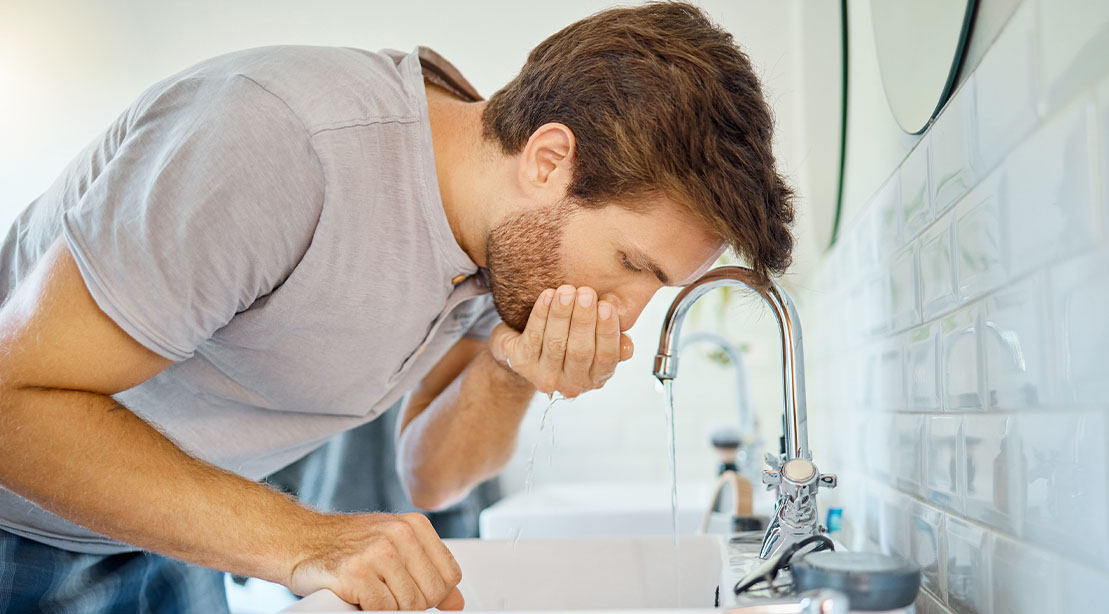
(271, 221)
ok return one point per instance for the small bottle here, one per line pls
(725, 440)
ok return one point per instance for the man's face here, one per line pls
(623, 255)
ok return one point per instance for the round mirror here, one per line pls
(919, 47)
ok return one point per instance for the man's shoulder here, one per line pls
(325, 87)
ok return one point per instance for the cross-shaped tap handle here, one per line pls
(771, 478)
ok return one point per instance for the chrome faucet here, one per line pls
(795, 476)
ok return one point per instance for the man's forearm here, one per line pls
(465, 435)
(85, 458)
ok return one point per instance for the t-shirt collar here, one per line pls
(455, 258)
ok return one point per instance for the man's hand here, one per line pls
(380, 562)
(571, 344)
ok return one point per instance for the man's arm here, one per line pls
(66, 445)
(459, 427)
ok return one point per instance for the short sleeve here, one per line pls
(484, 325)
(209, 203)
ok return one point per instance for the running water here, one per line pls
(550, 450)
(554, 398)
(668, 391)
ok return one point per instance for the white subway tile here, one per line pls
(826, 439)
(1016, 346)
(895, 525)
(1025, 581)
(904, 298)
(887, 212)
(1046, 196)
(1073, 41)
(852, 501)
(937, 277)
(873, 513)
(873, 308)
(926, 603)
(979, 259)
(952, 150)
(994, 466)
(1083, 589)
(927, 539)
(904, 442)
(853, 315)
(891, 374)
(968, 571)
(862, 243)
(943, 461)
(921, 368)
(1005, 94)
(1065, 483)
(869, 383)
(851, 374)
(879, 455)
(960, 375)
(1081, 302)
(916, 206)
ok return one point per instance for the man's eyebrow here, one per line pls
(654, 268)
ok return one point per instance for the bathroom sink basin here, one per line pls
(602, 509)
(579, 574)
(594, 574)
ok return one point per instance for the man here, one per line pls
(276, 245)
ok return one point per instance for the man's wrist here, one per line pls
(302, 533)
(504, 374)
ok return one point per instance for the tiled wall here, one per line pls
(958, 334)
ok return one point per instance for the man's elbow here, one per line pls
(430, 494)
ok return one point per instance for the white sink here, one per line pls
(579, 574)
(589, 574)
(599, 509)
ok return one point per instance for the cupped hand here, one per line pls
(570, 345)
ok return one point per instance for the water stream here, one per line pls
(554, 398)
(668, 391)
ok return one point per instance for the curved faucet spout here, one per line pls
(789, 326)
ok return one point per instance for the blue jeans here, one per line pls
(35, 577)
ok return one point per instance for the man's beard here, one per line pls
(522, 256)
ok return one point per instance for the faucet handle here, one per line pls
(771, 478)
(828, 480)
(774, 460)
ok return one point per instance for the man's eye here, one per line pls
(628, 265)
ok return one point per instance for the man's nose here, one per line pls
(628, 307)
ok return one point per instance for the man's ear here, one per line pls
(546, 163)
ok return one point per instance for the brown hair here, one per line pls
(660, 99)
